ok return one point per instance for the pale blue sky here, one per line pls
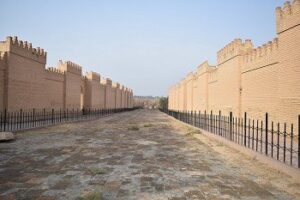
(145, 45)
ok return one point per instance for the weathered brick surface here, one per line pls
(2, 76)
(25, 83)
(55, 88)
(252, 80)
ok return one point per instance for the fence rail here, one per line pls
(275, 140)
(14, 121)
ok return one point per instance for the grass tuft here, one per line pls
(133, 128)
(148, 125)
(95, 195)
(96, 171)
(193, 132)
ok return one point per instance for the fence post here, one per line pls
(4, 120)
(179, 115)
(44, 115)
(205, 120)
(20, 119)
(230, 125)
(220, 122)
(33, 117)
(211, 114)
(52, 118)
(267, 132)
(298, 141)
(245, 129)
(199, 119)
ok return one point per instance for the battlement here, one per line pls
(234, 48)
(3, 55)
(261, 51)
(54, 70)
(203, 68)
(107, 81)
(69, 66)
(24, 48)
(288, 16)
(190, 76)
(116, 85)
(54, 74)
(172, 88)
(93, 76)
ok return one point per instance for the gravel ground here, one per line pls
(141, 154)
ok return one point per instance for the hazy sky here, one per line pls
(145, 45)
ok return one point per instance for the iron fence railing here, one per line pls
(20, 120)
(274, 140)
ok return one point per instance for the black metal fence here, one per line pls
(277, 141)
(14, 121)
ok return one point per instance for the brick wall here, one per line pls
(252, 80)
(2, 78)
(25, 83)
(54, 80)
(25, 75)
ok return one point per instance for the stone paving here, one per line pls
(141, 154)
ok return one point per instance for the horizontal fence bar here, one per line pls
(261, 136)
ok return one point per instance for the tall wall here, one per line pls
(110, 94)
(25, 75)
(2, 78)
(94, 97)
(260, 96)
(123, 96)
(26, 83)
(72, 84)
(226, 78)
(252, 80)
(118, 97)
(54, 80)
(201, 103)
(131, 100)
(189, 91)
(288, 30)
(103, 98)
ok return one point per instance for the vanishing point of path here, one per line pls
(141, 154)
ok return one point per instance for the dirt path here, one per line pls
(134, 155)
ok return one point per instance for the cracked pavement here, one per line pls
(143, 154)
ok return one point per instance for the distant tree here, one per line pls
(163, 103)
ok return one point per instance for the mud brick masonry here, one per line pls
(247, 79)
(26, 83)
